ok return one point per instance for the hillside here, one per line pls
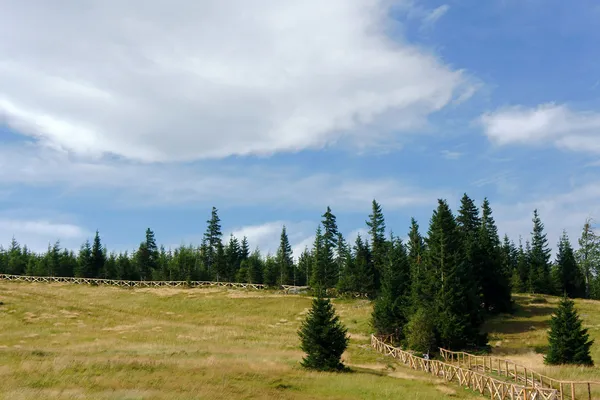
(75, 342)
(522, 337)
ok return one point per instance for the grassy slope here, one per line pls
(522, 337)
(79, 342)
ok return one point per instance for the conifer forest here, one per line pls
(434, 289)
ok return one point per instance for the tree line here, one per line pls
(496, 267)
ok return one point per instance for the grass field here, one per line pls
(80, 342)
(522, 337)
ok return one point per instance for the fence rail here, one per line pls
(567, 390)
(123, 283)
(484, 384)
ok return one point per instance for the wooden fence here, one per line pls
(121, 283)
(510, 371)
(484, 384)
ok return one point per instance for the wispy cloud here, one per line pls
(138, 185)
(38, 233)
(557, 124)
(435, 15)
(451, 155)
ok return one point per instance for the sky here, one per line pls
(119, 116)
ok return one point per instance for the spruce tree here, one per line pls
(255, 267)
(245, 250)
(376, 224)
(495, 278)
(85, 268)
(98, 257)
(450, 284)
(211, 240)
(285, 260)
(363, 276)
(391, 308)
(330, 238)
(568, 277)
(418, 271)
(588, 255)
(323, 337)
(304, 267)
(233, 258)
(539, 258)
(321, 257)
(522, 279)
(567, 339)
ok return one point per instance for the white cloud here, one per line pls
(157, 81)
(435, 15)
(141, 184)
(37, 233)
(451, 155)
(547, 123)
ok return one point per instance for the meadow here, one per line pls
(62, 341)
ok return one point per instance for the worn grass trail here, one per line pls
(80, 342)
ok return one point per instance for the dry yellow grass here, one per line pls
(79, 342)
(522, 337)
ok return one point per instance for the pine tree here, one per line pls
(449, 283)
(376, 224)
(390, 311)
(270, 274)
(86, 267)
(588, 255)
(418, 272)
(330, 238)
(233, 258)
(285, 260)
(495, 281)
(211, 240)
(255, 267)
(568, 341)
(245, 250)
(220, 263)
(98, 257)
(568, 277)
(539, 258)
(305, 262)
(323, 337)
(321, 257)
(363, 276)
(522, 284)
(343, 253)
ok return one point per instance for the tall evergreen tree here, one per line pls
(86, 268)
(495, 280)
(539, 258)
(98, 257)
(305, 263)
(449, 283)
(321, 257)
(341, 256)
(245, 250)
(233, 258)
(323, 337)
(363, 268)
(568, 341)
(376, 224)
(330, 238)
(569, 279)
(521, 284)
(588, 255)
(391, 308)
(255, 267)
(211, 240)
(419, 274)
(285, 259)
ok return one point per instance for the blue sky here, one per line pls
(121, 117)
